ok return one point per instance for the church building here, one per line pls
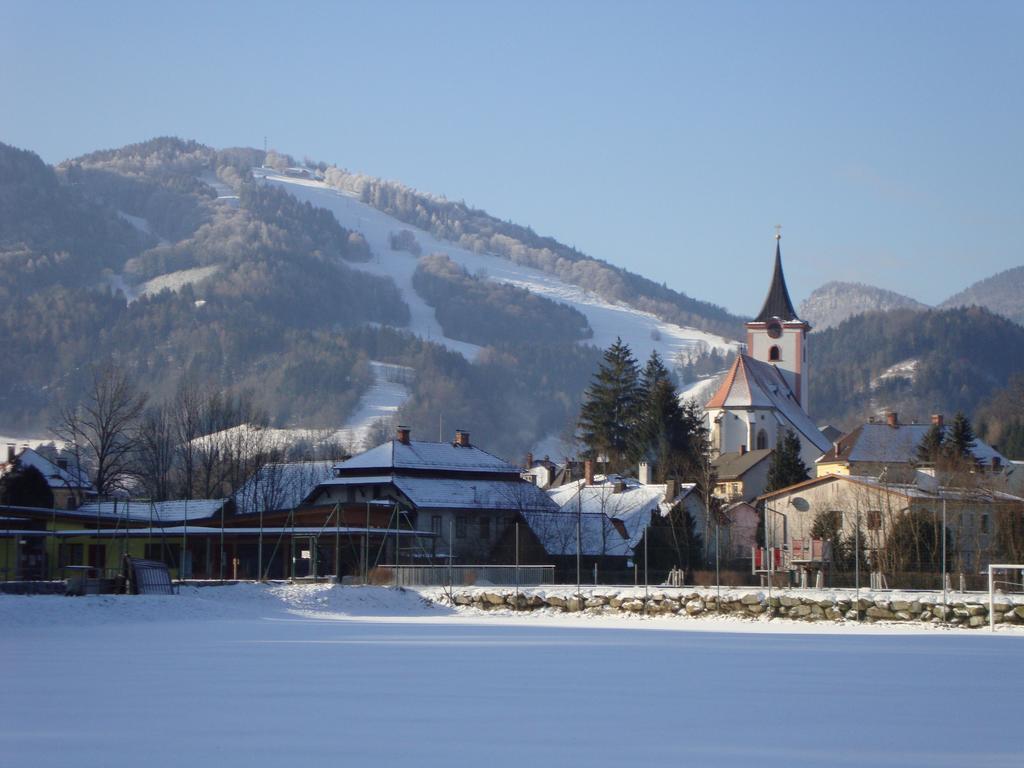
(765, 392)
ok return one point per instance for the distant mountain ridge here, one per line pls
(1002, 293)
(915, 362)
(836, 301)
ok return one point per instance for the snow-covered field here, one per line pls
(292, 675)
(641, 330)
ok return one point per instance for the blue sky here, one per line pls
(667, 138)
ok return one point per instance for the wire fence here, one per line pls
(465, 575)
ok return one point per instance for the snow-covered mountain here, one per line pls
(643, 331)
(834, 302)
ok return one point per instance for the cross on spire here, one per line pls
(778, 231)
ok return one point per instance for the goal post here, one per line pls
(992, 570)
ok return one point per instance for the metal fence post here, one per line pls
(517, 566)
(645, 569)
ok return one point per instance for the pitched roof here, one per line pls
(418, 454)
(753, 383)
(906, 490)
(777, 303)
(144, 511)
(733, 465)
(610, 522)
(281, 486)
(893, 445)
(453, 493)
(55, 476)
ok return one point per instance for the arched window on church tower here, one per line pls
(762, 439)
(775, 354)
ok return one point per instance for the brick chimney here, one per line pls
(461, 439)
(892, 418)
(12, 452)
(671, 490)
(937, 420)
(588, 472)
(529, 460)
(402, 435)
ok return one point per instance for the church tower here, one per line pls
(778, 337)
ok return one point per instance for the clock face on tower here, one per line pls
(774, 328)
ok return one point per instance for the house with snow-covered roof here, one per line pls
(765, 393)
(607, 515)
(459, 494)
(890, 447)
(69, 484)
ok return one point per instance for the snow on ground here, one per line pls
(643, 331)
(175, 281)
(31, 442)
(905, 369)
(702, 389)
(269, 675)
(381, 400)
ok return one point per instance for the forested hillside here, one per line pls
(478, 231)
(167, 260)
(1002, 293)
(483, 312)
(914, 362)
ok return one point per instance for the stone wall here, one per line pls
(961, 609)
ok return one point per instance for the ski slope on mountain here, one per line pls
(643, 331)
(378, 406)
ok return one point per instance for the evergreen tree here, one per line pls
(787, 467)
(610, 407)
(673, 541)
(959, 442)
(25, 486)
(930, 448)
(661, 434)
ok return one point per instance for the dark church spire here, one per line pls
(778, 303)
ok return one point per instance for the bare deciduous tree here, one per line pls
(157, 451)
(102, 429)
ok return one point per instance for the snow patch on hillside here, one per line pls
(175, 281)
(379, 404)
(905, 369)
(643, 331)
(702, 389)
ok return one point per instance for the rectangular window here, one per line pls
(70, 554)
(874, 520)
(485, 528)
(984, 522)
(460, 527)
(435, 524)
(98, 555)
(164, 552)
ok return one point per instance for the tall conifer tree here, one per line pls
(959, 442)
(610, 407)
(787, 467)
(930, 447)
